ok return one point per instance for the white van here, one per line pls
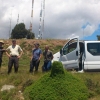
(79, 55)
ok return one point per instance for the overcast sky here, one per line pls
(63, 18)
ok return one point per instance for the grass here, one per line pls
(23, 78)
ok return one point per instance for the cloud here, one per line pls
(62, 19)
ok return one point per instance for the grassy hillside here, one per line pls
(23, 78)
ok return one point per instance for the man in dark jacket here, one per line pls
(1, 51)
(48, 56)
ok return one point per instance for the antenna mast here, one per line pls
(42, 14)
(18, 19)
(31, 16)
(39, 36)
(43, 18)
(10, 25)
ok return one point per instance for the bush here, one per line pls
(57, 68)
(65, 87)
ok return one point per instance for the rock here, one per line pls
(7, 87)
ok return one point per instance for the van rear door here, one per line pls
(70, 54)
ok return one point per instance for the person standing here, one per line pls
(1, 51)
(35, 58)
(80, 58)
(14, 55)
(48, 56)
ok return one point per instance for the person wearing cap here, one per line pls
(14, 55)
(35, 58)
(1, 51)
(48, 56)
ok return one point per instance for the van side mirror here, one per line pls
(76, 53)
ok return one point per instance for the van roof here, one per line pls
(90, 41)
(93, 41)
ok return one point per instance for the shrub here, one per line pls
(57, 68)
(65, 87)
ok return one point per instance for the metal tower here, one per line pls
(39, 36)
(18, 19)
(41, 24)
(31, 16)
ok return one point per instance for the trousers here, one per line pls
(34, 64)
(13, 60)
(46, 66)
(0, 61)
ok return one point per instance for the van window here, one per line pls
(72, 47)
(93, 48)
(69, 48)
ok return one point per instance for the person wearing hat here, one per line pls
(14, 55)
(1, 51)
(35, 58)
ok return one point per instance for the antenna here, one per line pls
(39, 36)
(31, 16)
(10, 24)
(43, 19)
(83, 33)
(18, 19)
(10, 28)
(42, 14)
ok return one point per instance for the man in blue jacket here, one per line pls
(35, 59)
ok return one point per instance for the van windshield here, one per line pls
(93, 48)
